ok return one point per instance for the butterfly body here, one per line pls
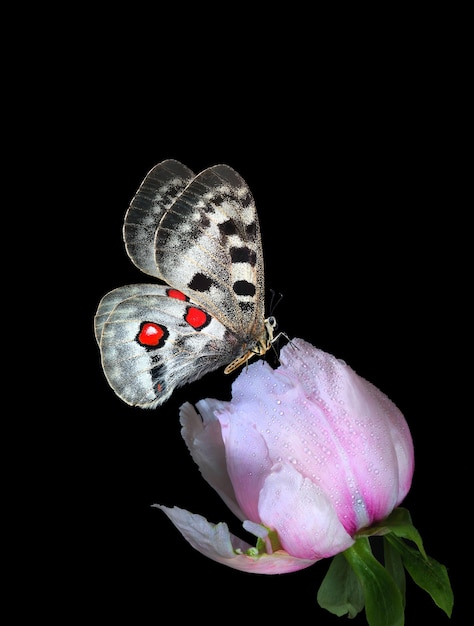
(200, 235)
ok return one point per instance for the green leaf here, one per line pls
(394, 566)
(383, 600)
(427, 573)
(341, 592)
(399, 523)
(399, 517)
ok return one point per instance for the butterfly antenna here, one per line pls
(275, 300)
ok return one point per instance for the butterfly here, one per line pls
(200, 235)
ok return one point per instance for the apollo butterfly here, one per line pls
(200, 235)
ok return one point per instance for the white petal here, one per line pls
(204, 441)
(217, 543)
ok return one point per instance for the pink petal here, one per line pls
(248, 461)
(302, 515)
(369, 459)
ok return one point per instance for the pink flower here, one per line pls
(305, 456)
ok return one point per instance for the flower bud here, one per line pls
(305, 455)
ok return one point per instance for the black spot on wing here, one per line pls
(251, 230)
(243, 255)
(244, 288)
(204, 222)
(219, 198)
(247, 199)
(228, 228)
(200, 282)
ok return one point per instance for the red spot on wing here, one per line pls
(152, 335)
(197, 318)
(175, 293)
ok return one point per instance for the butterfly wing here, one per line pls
(200, 234)
(156, 194)
(153, 339)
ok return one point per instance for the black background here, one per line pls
(354, 157)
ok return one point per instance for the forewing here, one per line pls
(208, 245)
(156, 194)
